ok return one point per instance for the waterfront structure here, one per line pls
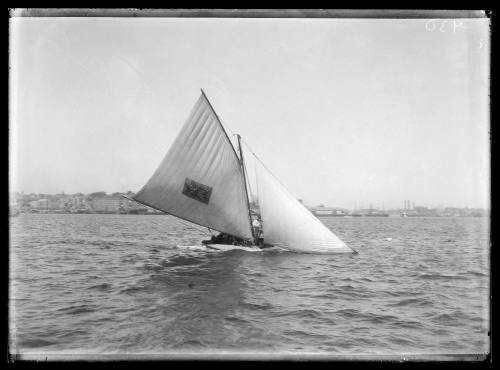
(321, 210)
(116, 203)
(39, 204)
(372, 212)
(106, 204)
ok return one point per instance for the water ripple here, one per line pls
(129, 284)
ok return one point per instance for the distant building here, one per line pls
(39, 204)
(78, 201)
(321, 210)
(106, 204)
(63, 201)
(134, 208)
(55, 203)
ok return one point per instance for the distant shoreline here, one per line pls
(166, 214)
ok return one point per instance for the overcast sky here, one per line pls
(345, 112)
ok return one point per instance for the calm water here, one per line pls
(121, 284)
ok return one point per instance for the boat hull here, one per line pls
(229, 247)
(318, 249)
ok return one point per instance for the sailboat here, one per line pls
(203, 180)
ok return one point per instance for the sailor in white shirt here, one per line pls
(257, 227)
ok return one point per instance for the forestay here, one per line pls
(288, 224)
(200, 179)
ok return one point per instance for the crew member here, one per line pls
(257, 227)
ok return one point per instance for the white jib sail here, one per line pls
(200, 178)
(286, 223)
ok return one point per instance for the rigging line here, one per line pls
(180, 219)
(242, 163)
(227, 126)
(257, 182)
(250, 191)
(272, 174)
(219, 121)
(191, 226)
(188, 225)
(255, 155)
(248, 181)
(247, 177)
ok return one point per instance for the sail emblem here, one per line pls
(195, 190)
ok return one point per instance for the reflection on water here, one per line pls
(134, 284)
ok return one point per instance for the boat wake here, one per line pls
(229, 247)
(193, 247)
(219, 248)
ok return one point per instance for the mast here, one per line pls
(240, 160)
(246, 190)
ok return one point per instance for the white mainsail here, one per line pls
(288, 224)
(200, 179)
